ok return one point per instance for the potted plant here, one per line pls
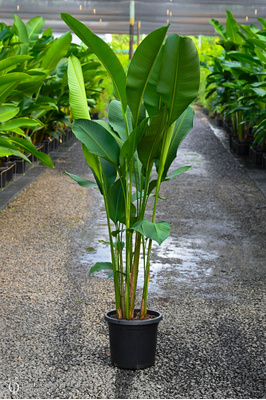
(130, 156)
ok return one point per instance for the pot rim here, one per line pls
(156, 320)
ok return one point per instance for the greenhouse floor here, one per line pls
(207, 279)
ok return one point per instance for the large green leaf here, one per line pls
(9, 62)
(77, 94)
(28, 147)
(219, 28)
(97, 139)
(81, 181)
(7, 149)
(116, 119)
(103, 52)
(7, 111)
(150, 146)
(19, 123)
(155, 231)
(182, 126)
(14, 77)
(179, 75)
(129, 147)
(34, 28)
(6, 89)
(232, 28)
(141, 67)
(21, 29)
(151, 96)
(116, 201)
(57, 51)
(100, 266)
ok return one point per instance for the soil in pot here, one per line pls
(133, 342)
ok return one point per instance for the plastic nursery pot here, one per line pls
(133, 342)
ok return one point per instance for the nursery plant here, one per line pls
(131, 154)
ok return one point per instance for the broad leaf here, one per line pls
(10, 61)
(140, 69)
(116, 201)
(77, 93)
(150, 146)
(7, 111)
(179, 75)
(100, 266)
(116, 119)
(57, 51)
(19, 123)
(7, 149)
(34, 28)
(103, 52)
(28, 147)
(219, 28)
(97, 139)
(155, 231)
(232, 28)
(182, 126)
(81, 181)
(129, 147)
(6, 89)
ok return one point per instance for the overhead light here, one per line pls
(100, 20)
(171, 13)
(94, 11)
(80, 7)
(167, 21)
(17, 7)
(246, 18)
(256, 12)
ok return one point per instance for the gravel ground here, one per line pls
(207, 280)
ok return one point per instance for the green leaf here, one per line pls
(103, 52)
(19, 123)
(81, 181)
(6, 89)
(219, 28)
(109, 172)
(10, 61)
(7, 111)
(14, 77)
(116, 119)
(116, 201)
(232, 28)
(179, 75)
(149, 147)
(140, 69)
(100, 266)
(129, 147)
(21, 29)
(57, 51)
(7, 149)
(155, 231)
(34, 28)
(182, 126)
(97, 139)
(28, 147)
(177, 172)
(77, 94)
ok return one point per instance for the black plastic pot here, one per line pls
(133, 342)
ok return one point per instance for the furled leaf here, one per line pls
(103, 52)
(116, 201)
(116, 119)
(219, 28)
(232, 28)
(77, 94)
(155, 231)
(129, 147)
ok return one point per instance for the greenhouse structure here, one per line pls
(132, 199)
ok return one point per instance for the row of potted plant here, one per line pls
(237, 85)
(34, 95)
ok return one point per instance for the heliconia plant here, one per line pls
(131, 154)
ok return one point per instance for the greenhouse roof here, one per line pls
(187, 17)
